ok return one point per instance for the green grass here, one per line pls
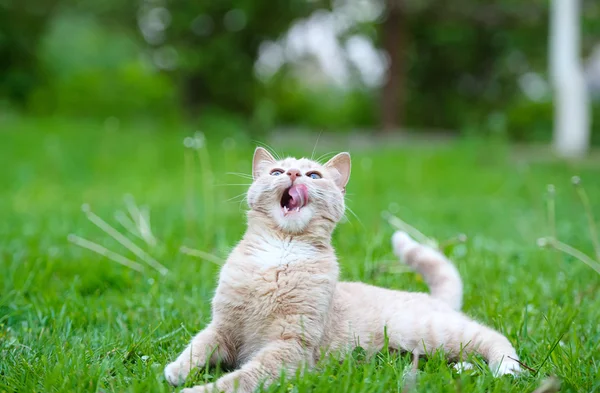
(72, 320)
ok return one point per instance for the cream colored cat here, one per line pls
(279, 302)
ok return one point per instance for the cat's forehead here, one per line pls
(298, 163)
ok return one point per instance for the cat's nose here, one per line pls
(294, 173)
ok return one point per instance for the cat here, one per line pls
(279, 306)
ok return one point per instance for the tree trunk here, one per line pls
(394, 43)
(571, 102)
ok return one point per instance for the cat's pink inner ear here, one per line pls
(261, 159)
(341, 163)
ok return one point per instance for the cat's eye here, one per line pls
(314, 175)
(276, 172)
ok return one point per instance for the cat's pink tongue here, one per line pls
(299, 194)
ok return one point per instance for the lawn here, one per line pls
(72, 320)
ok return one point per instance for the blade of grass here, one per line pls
(412, 231)
(585, 201)
(125, 242)
(572, 251)
(202, 255)
(81, 242)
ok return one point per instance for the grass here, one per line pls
(72, 320)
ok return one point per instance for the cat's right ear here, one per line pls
(261, 158)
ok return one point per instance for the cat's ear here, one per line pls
(341, 164)
(261, 158)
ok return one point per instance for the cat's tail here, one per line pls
(439, 273)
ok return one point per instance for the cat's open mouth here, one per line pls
(294, 199)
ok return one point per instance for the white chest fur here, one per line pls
(273, 252)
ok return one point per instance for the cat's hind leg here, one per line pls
(421, 327)
(439, 273)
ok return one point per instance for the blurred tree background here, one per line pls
(460, 66)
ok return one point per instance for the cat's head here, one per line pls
(296, 194)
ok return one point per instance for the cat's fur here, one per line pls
(279, 303)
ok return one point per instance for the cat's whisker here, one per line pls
(234, 199)
(240, 204)
(355, 216)
(325, 157)
(270, 149)
(233, 184)
(312, 156)
(240, 174)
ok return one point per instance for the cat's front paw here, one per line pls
(177, 372)
(507, 367)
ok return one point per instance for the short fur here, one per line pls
(279, 305)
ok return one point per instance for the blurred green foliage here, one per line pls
(96, 71)
(463, 63)
(22, 24)
(292, 102)
(217, 43)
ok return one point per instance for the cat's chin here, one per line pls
(292, 221)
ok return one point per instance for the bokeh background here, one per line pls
(452, 67)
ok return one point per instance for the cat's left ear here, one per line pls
(341, 164)
(261, 158)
